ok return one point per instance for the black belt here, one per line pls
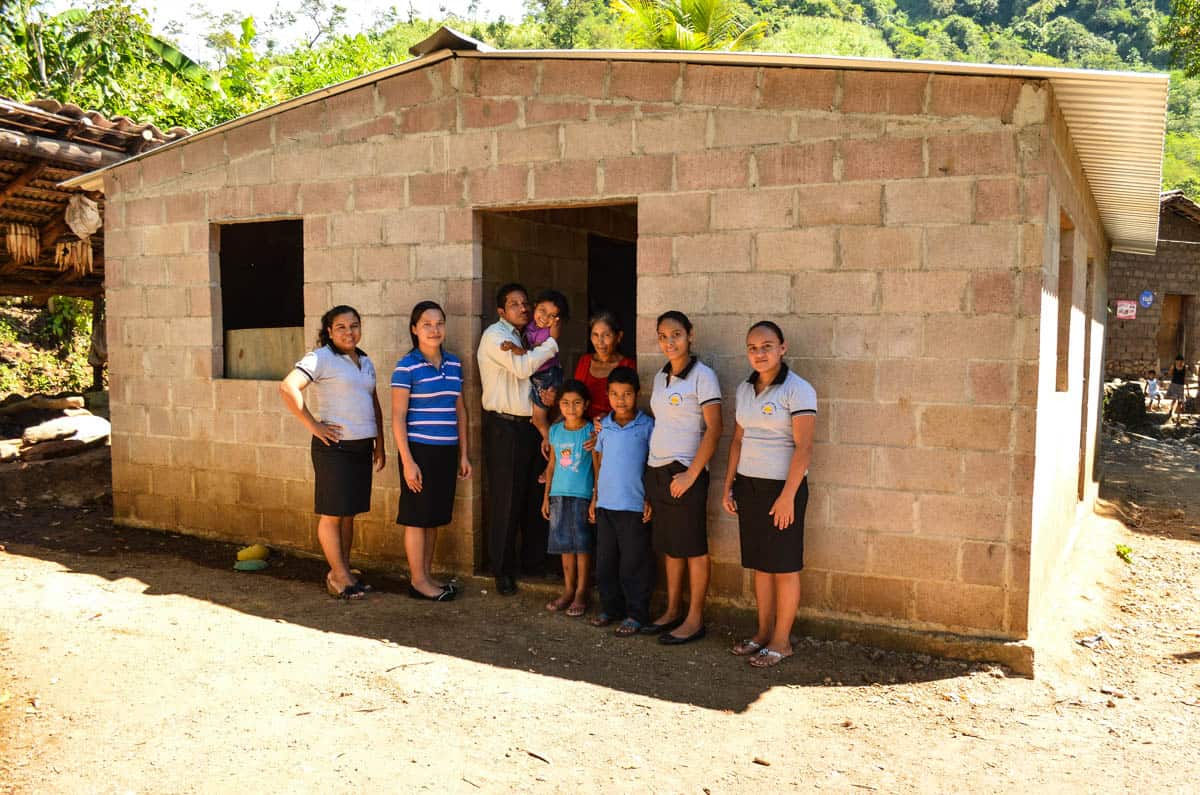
(509, 417)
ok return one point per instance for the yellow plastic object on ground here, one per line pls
(253, 552)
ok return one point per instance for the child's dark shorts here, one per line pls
(544, 379)
(570, 533)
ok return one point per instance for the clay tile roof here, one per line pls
(43, 143)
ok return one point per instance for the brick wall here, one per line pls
(1175, 268)
(894, 224)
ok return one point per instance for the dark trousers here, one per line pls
(624, 564)
(512, 453)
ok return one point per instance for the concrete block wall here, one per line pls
(1174, 268)
(1063, 432)
(894, 224)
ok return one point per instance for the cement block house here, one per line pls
(1170, 325)
(932, 237)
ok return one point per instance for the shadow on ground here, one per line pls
(1152, 484)
(515, 633)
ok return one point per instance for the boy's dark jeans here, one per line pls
(624, 564)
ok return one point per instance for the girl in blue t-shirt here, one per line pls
(569, 487)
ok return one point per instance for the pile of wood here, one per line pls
(49, 427)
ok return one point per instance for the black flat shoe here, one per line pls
(506, 585)
(668, 639)
(442, 596)
(655, 629)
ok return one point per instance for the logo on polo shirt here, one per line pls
(768, 408)
(675, 399)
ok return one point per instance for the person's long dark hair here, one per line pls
(327, 321)
(418, 310)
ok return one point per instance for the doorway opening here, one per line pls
(1173, 337)
(588, 253)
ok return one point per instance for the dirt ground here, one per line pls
(140, 662)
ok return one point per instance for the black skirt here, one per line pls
(343, 482)
(433, 506)
(680, 525)
(764, 546)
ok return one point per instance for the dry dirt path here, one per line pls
(137, 662)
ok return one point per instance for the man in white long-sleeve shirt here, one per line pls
(512, 445)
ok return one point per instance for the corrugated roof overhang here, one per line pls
(1117, 120)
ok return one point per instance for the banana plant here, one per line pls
(82, 55)
(688, 24)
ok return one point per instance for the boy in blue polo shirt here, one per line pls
(624, 559)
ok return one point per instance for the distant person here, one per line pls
(1176, 391)
(345, 441)
(686, 401)
(605, 332)
(429, 423)
(1153, 395)
(624, 558)
(766, 487)
(570, 486)
(511, 443)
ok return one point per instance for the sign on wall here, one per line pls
(1127, 310)
(1146, 299)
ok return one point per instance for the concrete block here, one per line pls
(878, 248)
(928, 202)
(839, 205)
(796, 164)
(812, 248)
(882, 158)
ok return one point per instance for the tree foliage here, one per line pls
(688, 24)
(1180, 35)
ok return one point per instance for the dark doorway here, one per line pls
(589, 253)
(1169, 339)
(612, 284)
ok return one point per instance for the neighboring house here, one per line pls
(43, 143)
(932, 237)
(1167, 322)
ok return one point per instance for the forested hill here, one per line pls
(1094, 34)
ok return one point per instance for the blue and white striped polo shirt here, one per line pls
(433, 392)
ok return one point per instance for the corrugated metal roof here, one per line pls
(1117, 120)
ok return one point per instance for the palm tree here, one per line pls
(688, 24)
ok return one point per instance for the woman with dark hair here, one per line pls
(429, 422)
(686, 402)
(766, 487)
(593, 368)
(347, 438)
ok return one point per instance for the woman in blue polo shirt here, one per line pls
(429, 423)
(766, 487)
(345, 440)
(686, 402)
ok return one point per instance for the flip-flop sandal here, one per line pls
(576, 609)
(353, 593)
(557, 605)
(364, 587)
(768, 658)
(746, 648)
(601, 620)
(627, 628)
